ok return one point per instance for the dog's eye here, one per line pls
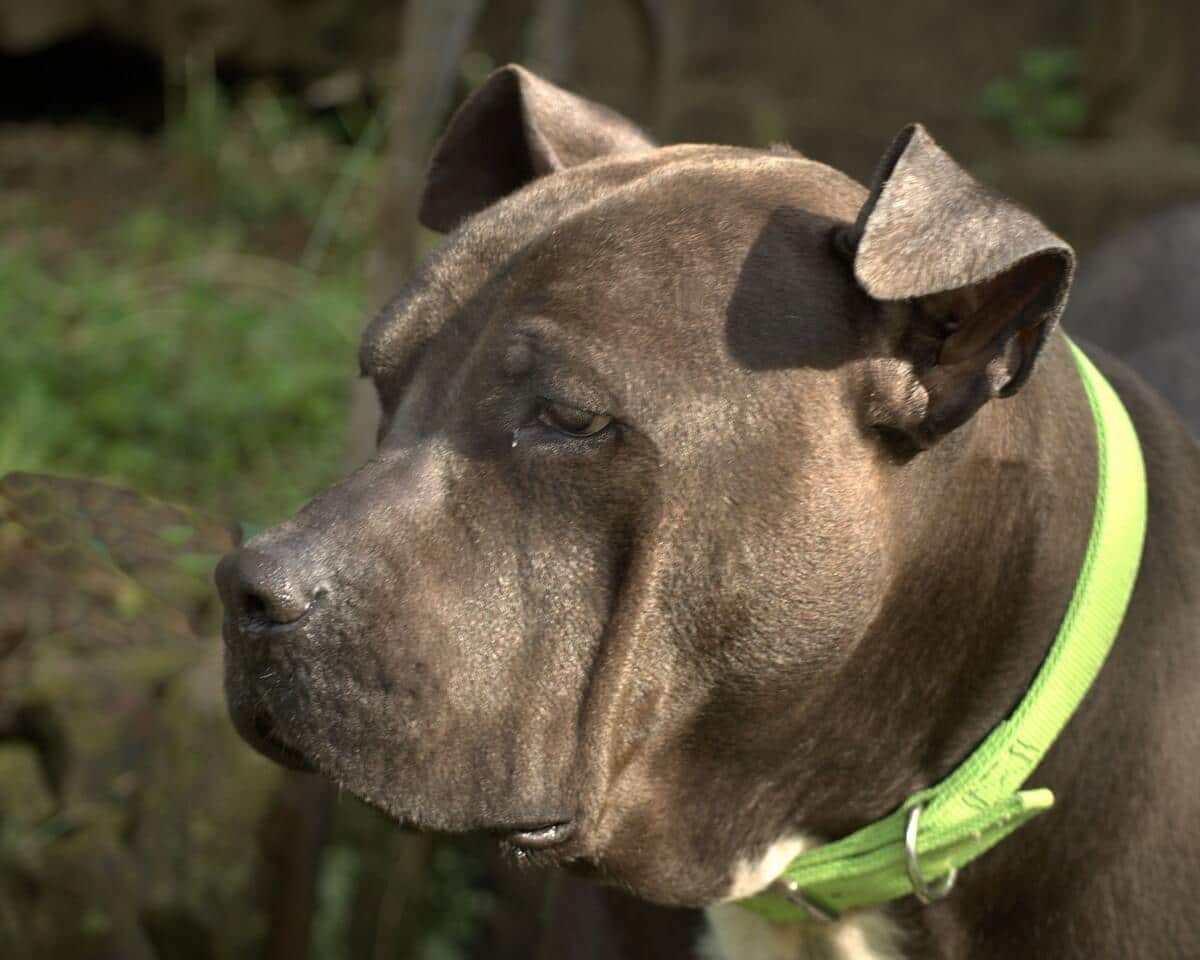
(572, 421)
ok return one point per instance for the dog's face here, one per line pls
(632, 525)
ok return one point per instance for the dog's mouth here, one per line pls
(541, 845)
(539, 838)
(534, 842)
(268, 741)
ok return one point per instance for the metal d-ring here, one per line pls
(925, 891)
(790, 891)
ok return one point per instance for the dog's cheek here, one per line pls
(751, 655)
(481, 640)
(659, 854)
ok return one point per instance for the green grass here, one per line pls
(172, 342)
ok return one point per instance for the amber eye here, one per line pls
(572, 421)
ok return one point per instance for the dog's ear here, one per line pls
(973, 286)
(514, 128)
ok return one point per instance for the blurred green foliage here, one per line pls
(1041, 101)
(397, 896)
(200, 350)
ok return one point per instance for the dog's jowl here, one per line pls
(721, 505)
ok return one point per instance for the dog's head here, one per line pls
(618, 583)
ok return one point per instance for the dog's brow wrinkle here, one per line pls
(388, 331)
(518, 359)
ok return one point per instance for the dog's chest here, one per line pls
(737, 934)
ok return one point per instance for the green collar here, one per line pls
(980, 802)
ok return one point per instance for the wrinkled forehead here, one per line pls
(685, 259)
(708, 252)
(480, 256)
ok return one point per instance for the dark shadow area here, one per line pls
(792, 289)
(588, 922)
(100, 79)
(91, 76)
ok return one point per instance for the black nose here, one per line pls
(262, 591)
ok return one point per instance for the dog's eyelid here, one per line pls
(572, 420)
(579, 407)
(590, 405)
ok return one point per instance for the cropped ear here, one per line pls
(514, 128)
(973, 284)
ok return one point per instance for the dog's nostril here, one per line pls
(276, 609)
(262, 724)
(254, 606)
(262, 591)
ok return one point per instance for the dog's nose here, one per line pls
(261, 591)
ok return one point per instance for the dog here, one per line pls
(720, 504)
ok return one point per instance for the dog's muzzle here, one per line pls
(268, 602)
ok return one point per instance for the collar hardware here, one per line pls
(924, 890)
(982, 801)
(790, 891)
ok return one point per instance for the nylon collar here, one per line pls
(981, 802)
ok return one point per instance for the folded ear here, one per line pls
(974, 286)
(514, 128)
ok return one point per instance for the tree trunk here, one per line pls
(434, 36)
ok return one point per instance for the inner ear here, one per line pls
(962, 348)
(1000, 323)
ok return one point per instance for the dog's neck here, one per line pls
(989, 532)
(1008, 502)
(997, 552)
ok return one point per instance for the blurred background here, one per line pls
(201, 201)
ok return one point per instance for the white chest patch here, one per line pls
(737, 934)
(753, 876)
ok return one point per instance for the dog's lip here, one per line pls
(268, 741)
(540, 837)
